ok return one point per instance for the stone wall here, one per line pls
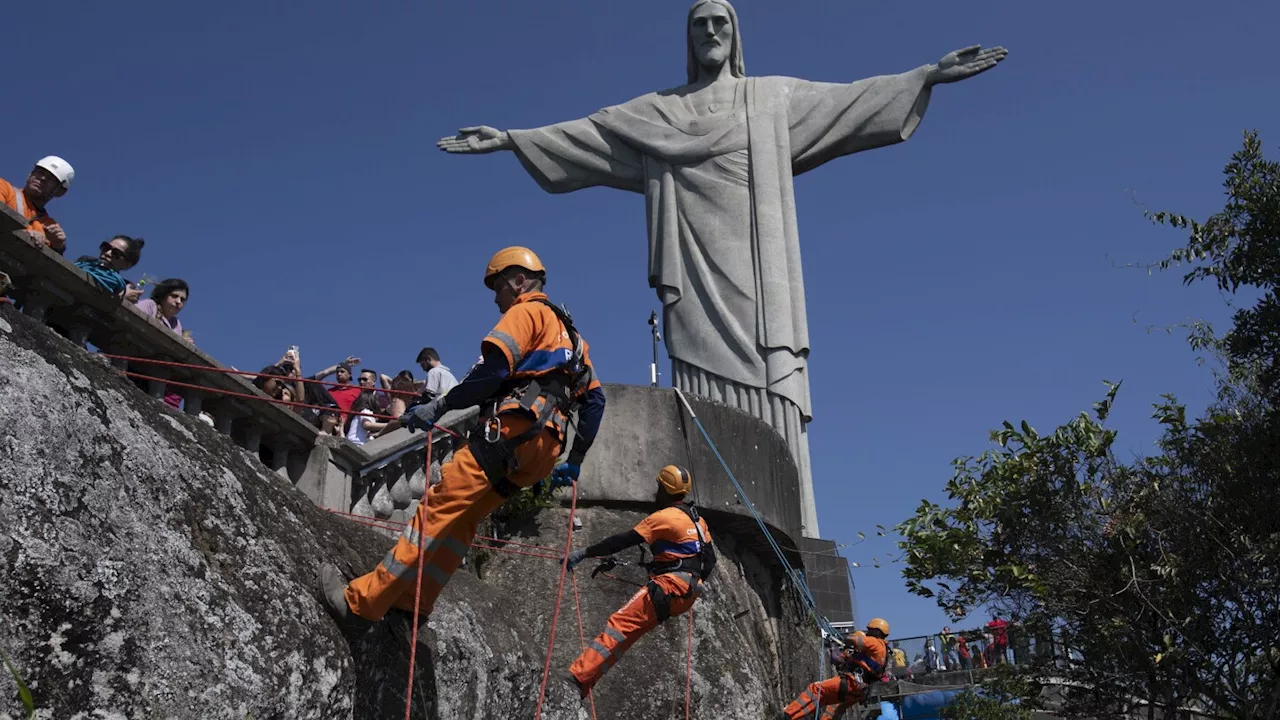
(827, 574)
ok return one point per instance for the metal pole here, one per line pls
(657, 337)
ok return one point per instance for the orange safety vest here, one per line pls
(550, 363)
(16, 199)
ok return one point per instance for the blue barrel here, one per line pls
(926, 706)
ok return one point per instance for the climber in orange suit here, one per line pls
(534, 372)
(860, 664)
(683, 557)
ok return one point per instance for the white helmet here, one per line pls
(59, 168)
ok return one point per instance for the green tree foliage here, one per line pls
(1158, 577)
(974, 705)
(1237, 248)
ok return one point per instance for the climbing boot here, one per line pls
(572, 681)
(331, 591)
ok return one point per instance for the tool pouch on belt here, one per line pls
(852, 686)
(661, 599)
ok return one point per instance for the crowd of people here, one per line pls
(949, 651)
(358, 412)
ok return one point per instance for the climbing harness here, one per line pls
(540, 396)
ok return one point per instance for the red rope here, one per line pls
(688, 672)
(244, 373)
(417, 601)
(555, 617)
(246, 396)
(582, 640)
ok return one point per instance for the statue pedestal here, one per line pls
(646, 428)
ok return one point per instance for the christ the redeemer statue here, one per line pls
(715, 160)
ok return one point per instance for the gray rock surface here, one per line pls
(152, 569)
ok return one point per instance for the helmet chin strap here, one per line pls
(515, 290)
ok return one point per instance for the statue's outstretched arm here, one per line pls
(965, 63)
(476, 140)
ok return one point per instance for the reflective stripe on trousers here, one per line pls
(637, 617)
(446, 523)
(827, 692)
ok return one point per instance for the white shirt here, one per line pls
(356, 433)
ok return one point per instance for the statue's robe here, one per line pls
(724, 249)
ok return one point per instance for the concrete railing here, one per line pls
(391, 483)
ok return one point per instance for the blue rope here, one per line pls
(822, 667)
(796, 578)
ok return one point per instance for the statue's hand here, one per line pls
(965, 63)
(476, 140)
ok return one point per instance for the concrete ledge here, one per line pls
(646, 428)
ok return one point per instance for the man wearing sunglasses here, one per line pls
(50, 178)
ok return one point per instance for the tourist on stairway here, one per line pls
(362, 425)
(439, 378)
(345, 395)
(403, 387)
(534, 373)
(683, 558)
(166, 301)
(119, 253)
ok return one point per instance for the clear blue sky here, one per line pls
(281, 160)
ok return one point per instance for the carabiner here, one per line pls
(492, 429)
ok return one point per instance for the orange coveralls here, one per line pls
(845, 688)
(13, 197)
(535, 343)
(671, 536)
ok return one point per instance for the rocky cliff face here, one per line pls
(149, 568)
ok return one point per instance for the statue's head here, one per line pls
(713, 38)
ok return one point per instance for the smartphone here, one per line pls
(293, 349)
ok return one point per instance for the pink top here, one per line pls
(148, 308)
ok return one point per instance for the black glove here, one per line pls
(575, 557)
(422, 417)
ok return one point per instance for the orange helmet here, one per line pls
(510, 257)
(879, 624)
(675, 480)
